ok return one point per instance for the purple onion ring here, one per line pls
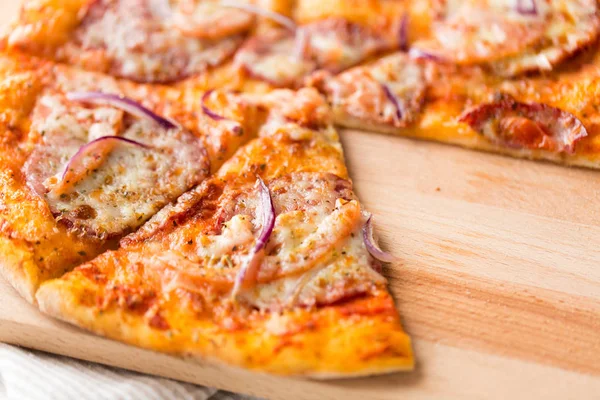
(123, 103)
(392, 97)
(403, 33)
(83, 149)
(372, 247)
(267, 209)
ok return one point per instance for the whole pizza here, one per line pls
(171, 175)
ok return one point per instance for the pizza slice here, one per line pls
(84, 162)
(545, 117)
(269, 265)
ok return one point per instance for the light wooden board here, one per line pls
(499, 283)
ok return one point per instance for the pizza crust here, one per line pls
(332, 358)
(19, 269)
(469, 140)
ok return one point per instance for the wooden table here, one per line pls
(499, 283)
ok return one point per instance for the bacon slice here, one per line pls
(532, 126)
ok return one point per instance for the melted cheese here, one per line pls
(272, 57)
(125, 187)
(141, 45)
(511, 42)
(360, 92)
(315, 254)
(209, 19)
(346, 272)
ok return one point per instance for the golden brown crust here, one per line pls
(339, 346)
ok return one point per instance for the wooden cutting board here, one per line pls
(499, 283)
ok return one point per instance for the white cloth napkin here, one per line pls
(31, 375)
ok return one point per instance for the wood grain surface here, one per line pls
(499, 283)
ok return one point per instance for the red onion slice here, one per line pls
(123, 103)
(372, 247)
(85, 148)
(392, 97)
(207, 111)
(301, 43)
(527, 7)
(418, 54)
(279, 18)
(249, 270)
(237, 128)
(403, 33)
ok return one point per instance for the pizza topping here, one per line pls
(470, 34)
(333, 44)
(511, 38)
(316, 246)
(403, 33)
(389, 92)
(130, 39)
(88, 157)
(305, 107)
(248, 273)
(343, 270)
(395, 101)
(268, 57)
(110, 187)
(211, 19)
(122, 103)
(569, 29)
(532, 126)
(372, 247)
(279, 18)
(309, 250)
(527, 7)
(336, 44)
(236, 127)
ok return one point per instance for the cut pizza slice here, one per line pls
(534, 117)
(269, 265)
(84, 162)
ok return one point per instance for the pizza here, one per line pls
(83, 168)
(265, 265)
(171, 175)
(441, 70)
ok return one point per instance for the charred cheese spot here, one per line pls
(134, 39)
